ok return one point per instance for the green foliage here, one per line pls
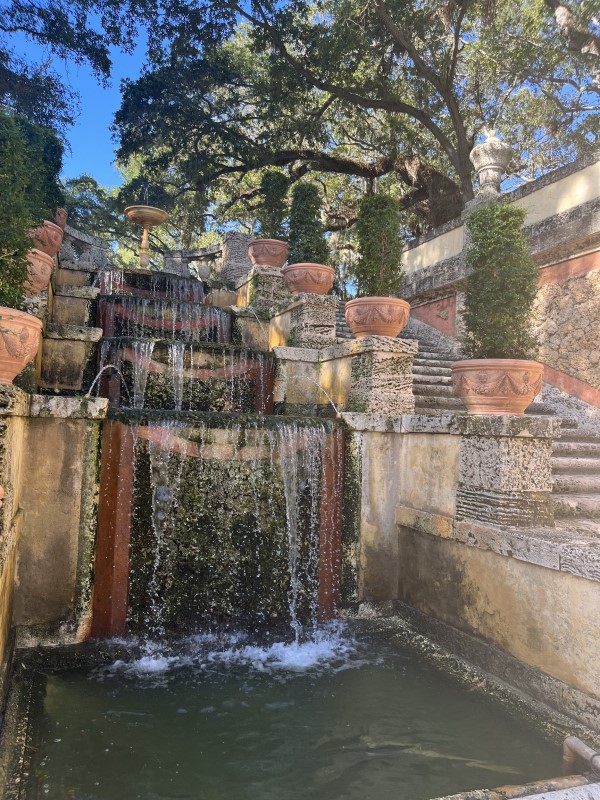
(501, 285)
(378, 271)
(306, 231)
(44, 152)
(15, 220)
(272, 211)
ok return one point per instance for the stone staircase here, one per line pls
(576, 455)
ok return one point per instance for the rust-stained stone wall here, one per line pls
(567, 317)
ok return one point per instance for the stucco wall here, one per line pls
(543, 617)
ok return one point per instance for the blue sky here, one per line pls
(90, 140)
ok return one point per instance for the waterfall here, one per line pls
(142, 357)
(176, 356)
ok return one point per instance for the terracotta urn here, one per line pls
(38, 272)
(310, 278)
(268, 252)
(497, 385)
(19, 341)
(60, 217)
(47, 237)
(377, 316)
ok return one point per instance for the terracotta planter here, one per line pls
(47, 238)
(60, 217)
(377, 316)
(497, 385)
(38, 272)
(268, 252)
(306, 277)
(19, 342)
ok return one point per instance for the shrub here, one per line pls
(44, 155)
(500, 287)
(272, 212)
(306, 232)
(15, 218)
(378, 271)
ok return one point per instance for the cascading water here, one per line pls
(227, 524)
(142, 351)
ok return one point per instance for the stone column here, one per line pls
(235, 262)
(505, 470)
(381, 377)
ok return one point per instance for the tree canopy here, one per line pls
(389, 91)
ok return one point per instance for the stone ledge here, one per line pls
(369, 344)
(307, 354)
(68, 407)
(82, 266)
(552, 548)
(73, 333)
(81, 292)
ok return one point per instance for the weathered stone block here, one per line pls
(381, 377)
(505, 471)
(262, 289)
(64, 363)
(71, 310)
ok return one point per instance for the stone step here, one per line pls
(442, 372)
(432, 355)
(444, 404)
(577, 484)
(580, 525)
(576, 505)
(578, 436)
(432, 362)
(435, 379)
(432, 390)
(570, 449)
(566, 465)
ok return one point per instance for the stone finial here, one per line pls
(490, 158)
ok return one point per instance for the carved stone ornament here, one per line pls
(310, 278)
(491, 158)
(268, 252)
(497, 385)
(377, 316)
(19, 342)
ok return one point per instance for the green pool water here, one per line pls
(349, 717)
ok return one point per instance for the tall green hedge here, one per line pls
(272, 212)
(44, 155)
(378, 271)
(15, 217)
(500, 287)
(306, 231)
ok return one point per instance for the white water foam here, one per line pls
(330, 649)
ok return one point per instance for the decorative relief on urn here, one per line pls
(490, 159)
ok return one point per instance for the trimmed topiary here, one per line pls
(272, 212)
(378, 271)
(500, 287)
(306, 231)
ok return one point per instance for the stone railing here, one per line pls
(79, 248)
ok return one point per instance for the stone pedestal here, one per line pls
(371, 375)
(505, 470)
(381, 377)
(262, 289)
(309, 321)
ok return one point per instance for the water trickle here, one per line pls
(142, 358)
(176, 359)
